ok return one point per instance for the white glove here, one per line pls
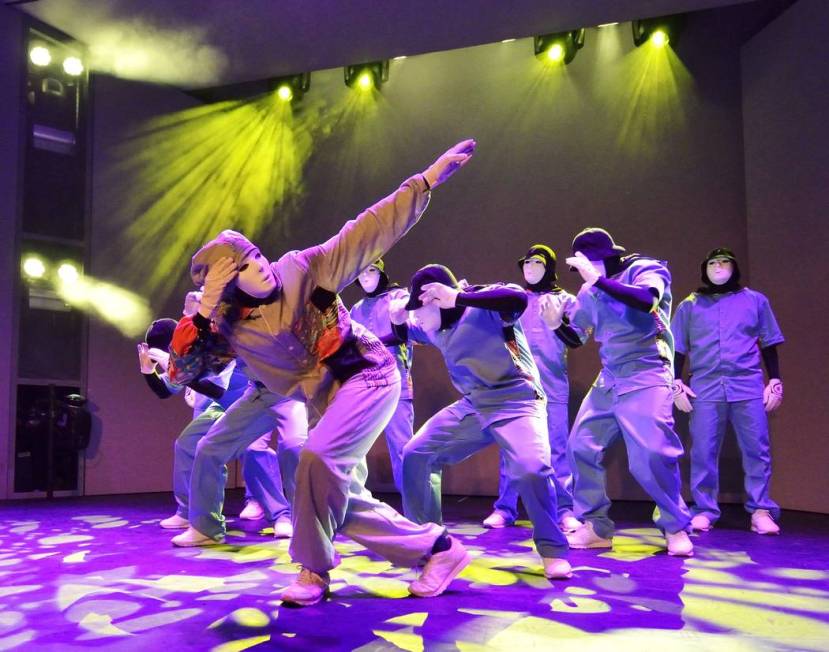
(190, 397)
(551, 310)
(222, 272)
(449, 162)
(682, 396)
(441, 295)
(584, 267)
(773, 394)
(145, 362)
(191, 303)
(397, 310)
(162, 358)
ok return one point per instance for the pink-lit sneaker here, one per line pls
(679, 544)
(440, 570)
(307, 589)
(496, 521)
(701, 523)
(557, 569)
(763, 523)
(585, 537)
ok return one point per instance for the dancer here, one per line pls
(287, 321)
(372, 311)
(625, 302)
(548, 337)
(260, 467)
(477, 331)
(725, 329)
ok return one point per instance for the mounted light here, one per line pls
(559, 47)
(366, 76)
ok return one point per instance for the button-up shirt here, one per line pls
(722, 335)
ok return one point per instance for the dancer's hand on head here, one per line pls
(397, 310)
(162, 358)
(145, 362)
(441, 295)
(584, 267)
(449, 162)
(682, 396)
(222, 272)
(551, 310)
(773, 395)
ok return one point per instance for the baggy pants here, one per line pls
(331, 497)
(643, 418)
(242, 424)
(454, 434)
(559, 429)
(708, 424)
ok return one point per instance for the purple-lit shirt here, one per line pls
(636, 347)
(548, 351)
(373, 313)
(722, 335)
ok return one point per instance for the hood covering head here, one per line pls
(429, 274)
(382, 285)
(227, 244)
(548, 257)
(160, 333)
(596, 244)
(733, 283)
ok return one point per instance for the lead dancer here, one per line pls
(288, 323)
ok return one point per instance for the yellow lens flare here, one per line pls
(126, 311)
(40, 55)
(73, 66)
(556, 52)
(660, 38)
(365, 81)
(34, 267)
(285, 93)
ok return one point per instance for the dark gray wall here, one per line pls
(785, 104)
(11, 69)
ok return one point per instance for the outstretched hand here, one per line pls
(551, 310)
(449, 162)
(441, 295)
(146, 363)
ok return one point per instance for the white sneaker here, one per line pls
(763, 523)
(557, 569)
(192, 538)
(282, 528)
(307, 589)
(569, 524)
(252, 512)
(585, 537)
(440, 570)
(175, 522)
(679, 544)
(497, 520)
(701, 523)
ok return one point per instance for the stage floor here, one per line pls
(99, 573)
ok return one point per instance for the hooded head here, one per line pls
(538, 266)
(160, 333)
(430, 317)
(373, 280)
(719, 272)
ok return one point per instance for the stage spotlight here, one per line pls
(659, 32)
(291, 87)
(68, 273)
(559, 47)
(73, 66)
(40, 56)
(366, 76)
(34, 267)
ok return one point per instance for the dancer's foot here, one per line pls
(192, 538)
(252, 511)
(282, 528)
(175, 522)
(440, 570)
(307, 589)
(763, 523)
(585, 537)
(497, 520)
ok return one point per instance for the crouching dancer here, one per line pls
(490, 363)
(287, 322)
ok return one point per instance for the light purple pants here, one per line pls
(331, 497)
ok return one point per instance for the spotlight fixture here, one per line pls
(658, 32)
(291, 87)
(34, 267)
(73, 66)
(40, 56)
(559, 47)
(68, 273)
(366, 76)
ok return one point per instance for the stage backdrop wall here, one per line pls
(11, 67)
(648, 146)
(785, 104)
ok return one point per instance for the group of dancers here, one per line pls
(269, 347)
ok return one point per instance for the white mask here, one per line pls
(369, 279)
(719, 270)
(427, 317)
(255, 276)
(534, 270)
